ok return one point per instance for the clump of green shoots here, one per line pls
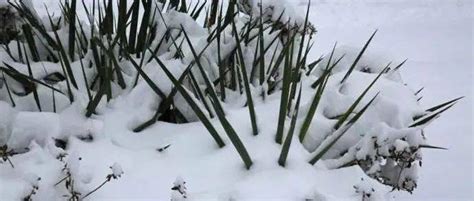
(129, 34)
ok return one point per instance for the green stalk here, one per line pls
(287, 77)
(144, 25)
(354, 64)
(67, 64)
(253, 117)
(289, 136)
(431, 117)
(23, 79)
(92, 105)
(8, 90)
(133, 25)
(34, 88)
(444, 104)
(201, 94)
(197, 110)
(234, 138)
(262, 51)
(72, 29)
(31, 42)
(122, 21)
(115, 63)
(342, 131)
(314, 105)
(219, 58)
(344, 117)
(165, 104)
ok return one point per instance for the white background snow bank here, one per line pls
(436, 37)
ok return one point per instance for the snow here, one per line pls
(116, 170)
(32, 179)
(33, 126)
(5, 123)
(218, 174)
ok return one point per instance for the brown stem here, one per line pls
(97, 188)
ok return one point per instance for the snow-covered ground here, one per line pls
(436, 37)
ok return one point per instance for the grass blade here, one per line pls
(146, 18)
(30, 73)
(246, 81)
(72, 29)
(234, 138)
(133, 25)
(287, 77)
(338, 134)
(147, 79)
(262, 51)
(92, 105)
(197, 110)
(8, 90)
(354, 64)
(400, 65)
(314, 105)
(426, 146)
(23, 79)
(431, 117)
(67, 64)
(286, 145)
(444, 104)
(344, 117)
(113, 59)
(31, 42)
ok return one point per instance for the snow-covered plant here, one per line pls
(5, 154)
(33, 180)
(116, 173)
(173, 67)
(179, 191)
(365, 191)
(69, 181)
(70, 169)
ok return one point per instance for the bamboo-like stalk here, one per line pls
(354, 64)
